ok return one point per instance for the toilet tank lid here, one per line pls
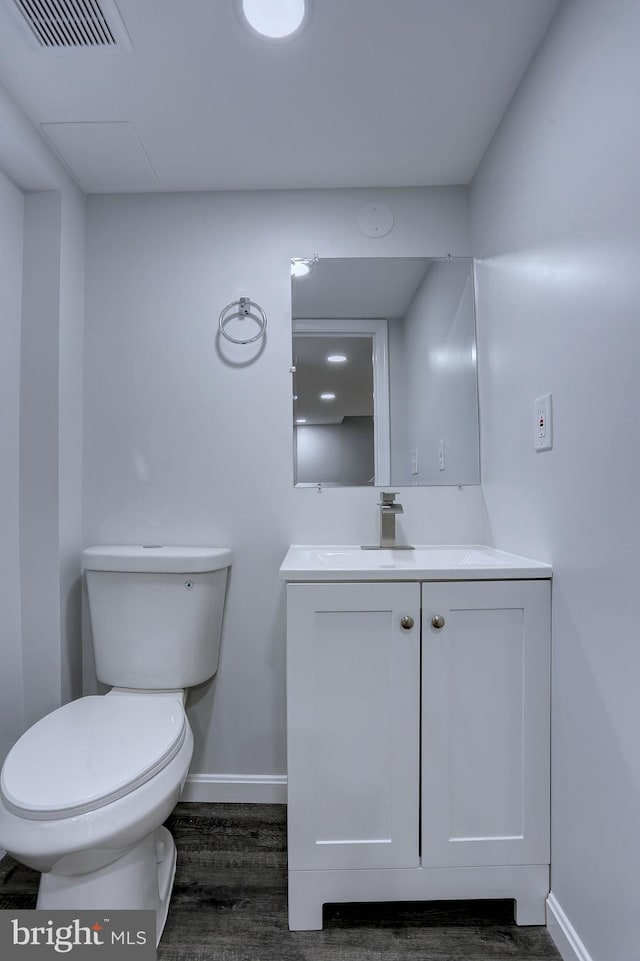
(156, 558)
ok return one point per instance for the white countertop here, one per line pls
(322, 562)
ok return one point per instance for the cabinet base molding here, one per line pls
(527, 884)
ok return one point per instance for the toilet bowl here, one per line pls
(85, 791)
(82, 800)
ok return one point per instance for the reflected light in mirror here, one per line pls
(327, 396)
(299, 268)
(336, 359)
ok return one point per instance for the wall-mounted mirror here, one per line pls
(385, 384)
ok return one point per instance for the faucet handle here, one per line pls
(388, 497)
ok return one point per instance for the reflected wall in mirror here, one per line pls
(385, 385)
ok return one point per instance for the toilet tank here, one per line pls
(156, 613)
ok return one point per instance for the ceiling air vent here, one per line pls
(74, 23)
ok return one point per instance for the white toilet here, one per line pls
(85, 791)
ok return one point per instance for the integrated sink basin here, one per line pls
(426, 562)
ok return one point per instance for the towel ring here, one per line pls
(243, 308)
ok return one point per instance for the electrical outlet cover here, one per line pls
(542, 423)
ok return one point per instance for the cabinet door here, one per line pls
(353, 725)
(485, 723)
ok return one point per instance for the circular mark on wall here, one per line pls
(375, 220)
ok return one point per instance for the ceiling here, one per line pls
(372, 93)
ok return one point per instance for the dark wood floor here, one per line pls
(230, 904)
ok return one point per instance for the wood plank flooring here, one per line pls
(230, 904)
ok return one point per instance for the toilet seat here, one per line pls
(89, 753)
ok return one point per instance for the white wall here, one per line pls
(39, 454)
(187, 440)
(51, 449)
(43, 265)
(70, 427)
(555, 213)
(11, 692)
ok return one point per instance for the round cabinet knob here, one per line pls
(437, 621)
(407, 622)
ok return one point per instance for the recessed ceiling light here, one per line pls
(275, 19)
(336, 358)
(327, 396)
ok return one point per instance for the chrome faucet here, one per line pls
(388, 511)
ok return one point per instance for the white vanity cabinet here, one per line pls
(418, 740)
(485, 723)
(353, 725)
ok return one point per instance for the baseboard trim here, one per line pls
(564, 935)
(236, 788)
